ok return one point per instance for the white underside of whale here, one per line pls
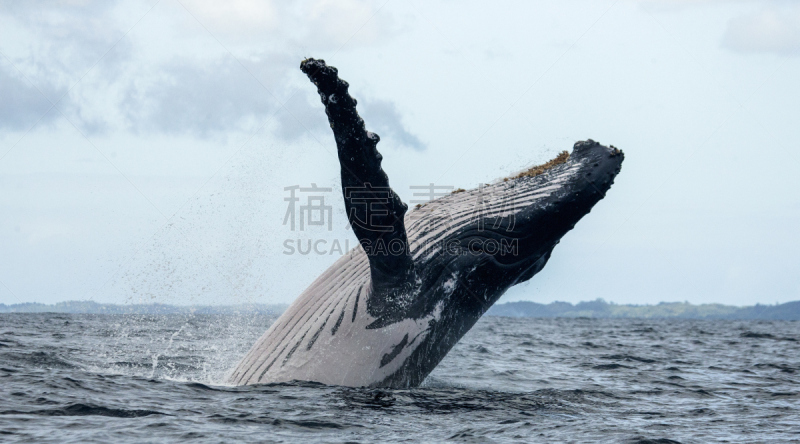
(320, 339)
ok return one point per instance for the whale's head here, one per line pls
(503, 233)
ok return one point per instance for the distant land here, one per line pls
(679, 310)
(524, 309)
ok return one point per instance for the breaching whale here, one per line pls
(387, 314)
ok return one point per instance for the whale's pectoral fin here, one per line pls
(374, 210)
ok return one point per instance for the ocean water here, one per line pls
(137, 378)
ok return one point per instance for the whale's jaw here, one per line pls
(514, 223)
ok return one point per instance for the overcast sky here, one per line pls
(145, 146)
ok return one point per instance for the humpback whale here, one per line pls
(387, 314)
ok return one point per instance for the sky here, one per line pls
(146, 147)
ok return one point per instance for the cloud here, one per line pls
(206, 98)
(202, 98)
(22, 104)
(382, 117)
(673, 5)
(65, 38)
(236, 16)
(55, 44)
(321, 24)
(340, 22)
(773, 30)
(192, 86)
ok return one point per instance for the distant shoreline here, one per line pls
(599, 308)
(523, 309)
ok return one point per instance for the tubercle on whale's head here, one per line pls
(569, 186)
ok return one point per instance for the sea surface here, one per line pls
(144, 378)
